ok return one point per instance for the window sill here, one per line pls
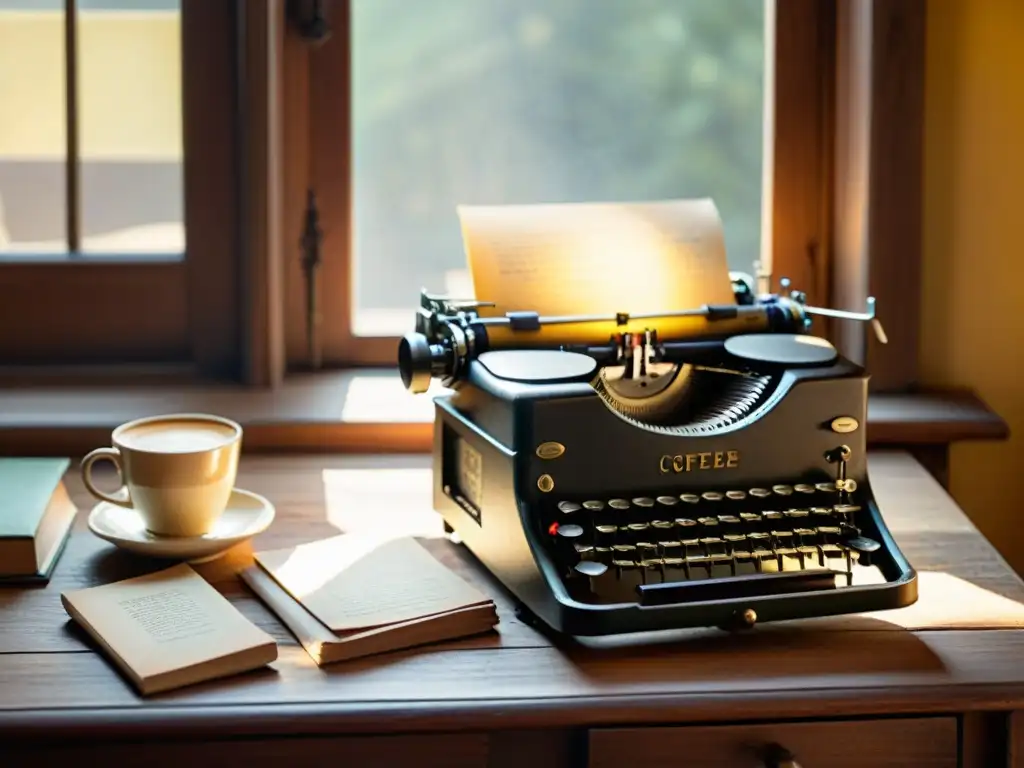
(368, 411)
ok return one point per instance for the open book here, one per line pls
(169, 629)
(353, 595)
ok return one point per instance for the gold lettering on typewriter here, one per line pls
(688, 462)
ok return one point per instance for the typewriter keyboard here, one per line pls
(615, 544)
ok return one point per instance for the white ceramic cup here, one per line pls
(177, 470)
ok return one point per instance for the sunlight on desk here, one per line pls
(377, 399)
(393, 502)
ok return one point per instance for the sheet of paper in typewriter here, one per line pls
(585, 258)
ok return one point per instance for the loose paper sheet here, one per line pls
(357, 581)
(584, 258)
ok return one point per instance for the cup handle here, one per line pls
(120, 496)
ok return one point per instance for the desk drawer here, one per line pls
(428, 751)
(908, 743)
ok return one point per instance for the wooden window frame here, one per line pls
(74, 309)
(842, 185)
(843, 149)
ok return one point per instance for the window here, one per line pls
(249, 141)
(104, 224)
(420, 107)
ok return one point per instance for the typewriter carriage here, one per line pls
(581, 500)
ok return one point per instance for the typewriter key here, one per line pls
(736, 495)
(668, 501)
(643, 501)
(661, 524)
(862, 544)
(590, 568)
(618, 504)
(569, 506)
(685, 522)
(783, 490)
(607, 528)
(712, 496)
(593, 506)
(803, 488)
(760, 493)
(570, 531)
(689, 498)
(826, 487)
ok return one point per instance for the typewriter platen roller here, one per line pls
(702, 467)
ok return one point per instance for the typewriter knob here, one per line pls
(776, 756)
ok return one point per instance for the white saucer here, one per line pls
(246, 515)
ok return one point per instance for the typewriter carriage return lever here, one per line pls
(624, 473)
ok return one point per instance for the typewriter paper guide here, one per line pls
(584, 258)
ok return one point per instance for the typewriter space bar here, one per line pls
(754, 585)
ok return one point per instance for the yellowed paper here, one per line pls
(356, 581)
(587, 258)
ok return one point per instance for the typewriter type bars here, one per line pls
(616, 544)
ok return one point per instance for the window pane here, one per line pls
(32, 126)
(130, 125)
(519, 101)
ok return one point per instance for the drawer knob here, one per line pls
(776, 756)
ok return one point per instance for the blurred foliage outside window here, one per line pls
(521, 101)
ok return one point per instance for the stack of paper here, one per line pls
(356, 595)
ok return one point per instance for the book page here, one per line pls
(357, 581)
(165, 621)
(596, 258)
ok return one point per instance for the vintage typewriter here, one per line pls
(702, 467)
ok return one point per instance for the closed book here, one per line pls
(36, 515)
(169, 629)
(357, 595)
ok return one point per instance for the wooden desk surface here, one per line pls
(960, 649)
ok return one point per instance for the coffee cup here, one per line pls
(177, 471)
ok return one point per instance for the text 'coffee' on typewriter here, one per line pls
(635, 472)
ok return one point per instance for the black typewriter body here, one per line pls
(755, 507)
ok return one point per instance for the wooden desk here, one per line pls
(938, 684)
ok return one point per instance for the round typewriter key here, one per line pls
(736, 495)
(862, 544)
(826, 487)
(661, 524)
(712, 496)
(593, 506)
(607, 528)
(803, 488)
(638, 526)
(689, 498)
(783, 490)
(569, 507)
(570, 531)
(618, 504)
(760, 493)
(668, 501)
(590, 568)
(643, 501)
(583, 548)
(685, 522)
(846, 509)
